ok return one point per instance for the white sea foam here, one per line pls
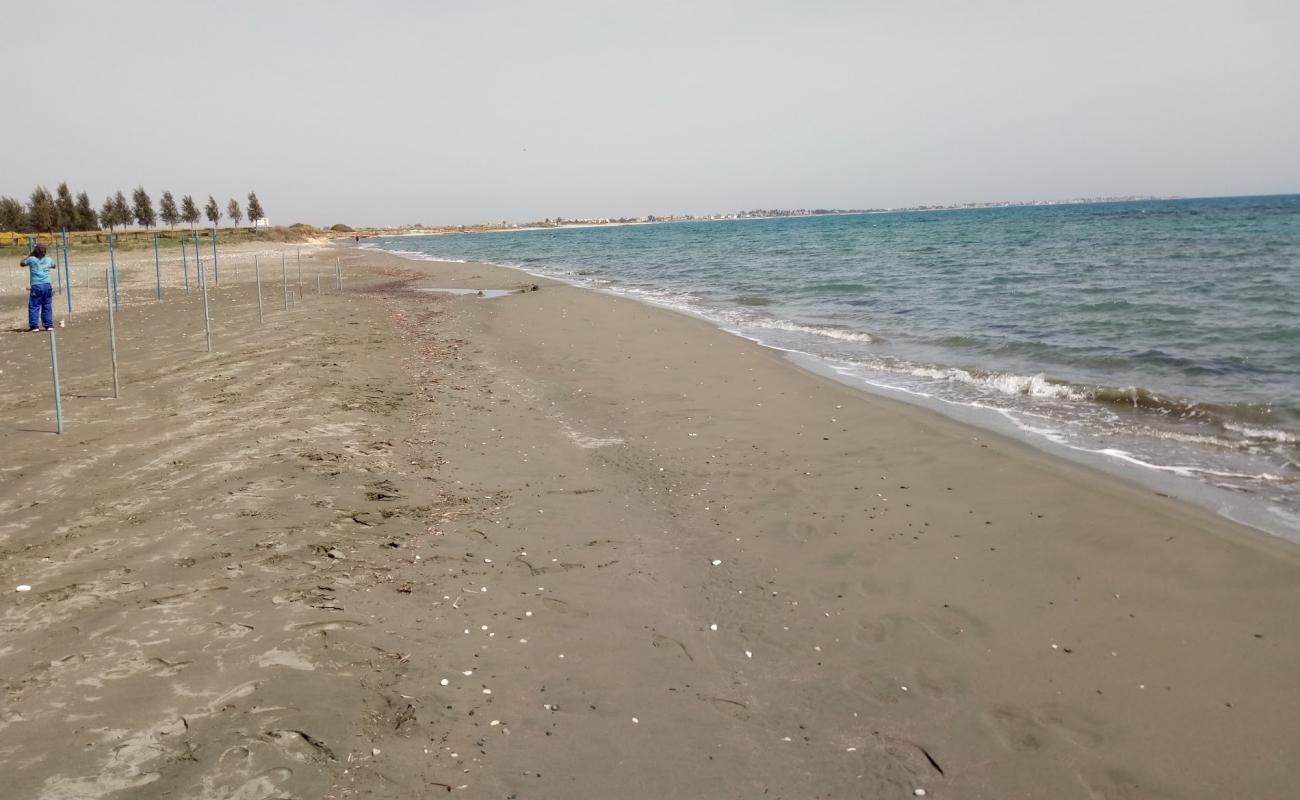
(1282, 437)
(1006, 383)
(843, 334)
(413, 255)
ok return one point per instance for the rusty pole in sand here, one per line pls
(112, 334)
(58, 398)
(203, 284)
(67, 271)
(112, 260)
(257, 272)
(284, 275)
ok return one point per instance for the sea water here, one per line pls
(1159, 337)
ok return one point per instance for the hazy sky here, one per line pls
(443, 112)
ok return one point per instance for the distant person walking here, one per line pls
(40, 306)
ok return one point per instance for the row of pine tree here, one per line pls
(46, 212)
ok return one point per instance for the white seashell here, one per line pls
(444, 681)
(22, 587)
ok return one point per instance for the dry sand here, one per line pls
(395, 544)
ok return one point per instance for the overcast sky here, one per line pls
(379, 113)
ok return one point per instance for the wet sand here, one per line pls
(395, 544)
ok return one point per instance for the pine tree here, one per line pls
(66, 207)
(255, 212)
(115, 212)
(107, 214)
(142, 208)
(212, 211)
(232, 211)
(13, 217)
(167, 210)
(189, 211)
(121, 210)
(42, 213)
(86, 218)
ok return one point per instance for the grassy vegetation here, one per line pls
(97, 241)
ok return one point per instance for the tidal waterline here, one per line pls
(1163, 336)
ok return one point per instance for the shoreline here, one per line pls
(561, 544)
(1162, 479)
(737, 423)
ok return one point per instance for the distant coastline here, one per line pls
(772, 213)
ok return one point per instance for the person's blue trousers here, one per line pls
(40, 307)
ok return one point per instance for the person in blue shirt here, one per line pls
(40, 306)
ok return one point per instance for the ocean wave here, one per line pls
(1267, 434)
(836, 288)
(414, 255)
(1006, 383)
(829, 331)
(1223, 418)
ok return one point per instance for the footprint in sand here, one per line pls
(934, 683)
(227, 698)
(948, 624)
(220, 630)
(671, 644)
(889, 627)
(917, 760)
(731, 708)
(327, 625)
(285, 658)
(264, 786)
(137, 665)
(879, 687)
(562, 606)
(300, 745)
(1021, 730)
(1120, 784)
